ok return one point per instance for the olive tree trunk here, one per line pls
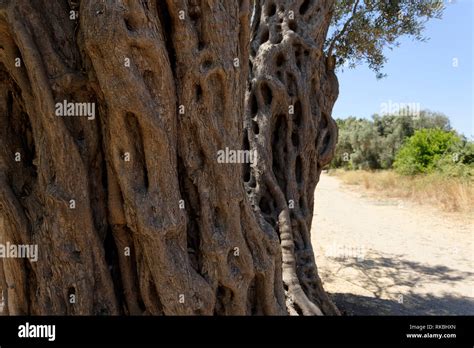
(131, 210)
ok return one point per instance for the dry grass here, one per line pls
(448, 194)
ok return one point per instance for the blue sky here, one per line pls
(420, 72)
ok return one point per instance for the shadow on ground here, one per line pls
(413, 304)
(400, 280)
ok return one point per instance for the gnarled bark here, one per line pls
(131, 211)
(288, 122)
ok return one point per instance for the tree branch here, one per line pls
(343, 30)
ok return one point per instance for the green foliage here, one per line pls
(373, 144)
(459, 161)
(362, 29)
(357, 147)
(424, 150)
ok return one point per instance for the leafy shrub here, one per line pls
(424, 150)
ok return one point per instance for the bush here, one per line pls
(426, 148)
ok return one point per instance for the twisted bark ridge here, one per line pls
(128, 203)
(292, 92)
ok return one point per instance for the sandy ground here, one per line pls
(391, 257)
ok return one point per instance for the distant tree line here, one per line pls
(410, 144)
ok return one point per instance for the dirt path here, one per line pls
(391, 257)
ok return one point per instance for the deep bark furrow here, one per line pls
(68, 237)
(153, 214)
